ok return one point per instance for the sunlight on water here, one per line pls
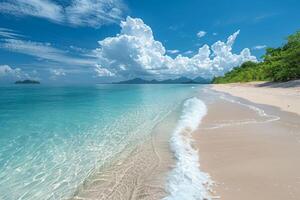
(51, 138)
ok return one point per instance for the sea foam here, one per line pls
(186, 181)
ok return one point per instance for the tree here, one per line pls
(279, 64)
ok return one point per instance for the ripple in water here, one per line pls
(52, 138)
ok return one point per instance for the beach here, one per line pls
(250, 144)
(170, 142)
(149, 100)
(165, 166)
(285, 95)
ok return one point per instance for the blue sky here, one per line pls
(82, 41)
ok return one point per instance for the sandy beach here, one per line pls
(251, 150)
(286, 95)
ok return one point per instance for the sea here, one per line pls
(52, 137)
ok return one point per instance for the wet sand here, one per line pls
(141, 175)
(248, 155)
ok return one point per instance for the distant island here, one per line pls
(278, 65)
(181, 80)
(27, 82)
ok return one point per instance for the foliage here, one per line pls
(279, 64)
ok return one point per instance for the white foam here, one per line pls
(186, 181)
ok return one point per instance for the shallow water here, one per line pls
(52, 138)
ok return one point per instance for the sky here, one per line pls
(99, 41)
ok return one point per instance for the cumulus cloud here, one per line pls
(93, 13)
(15, 73)
(103, 72)
(135, 53)
(201, 34)
(55, 73)
(58, 72)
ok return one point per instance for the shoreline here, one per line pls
(157, 168)
(140, 174)
(239, 144)
(248, 155)
(285, 96)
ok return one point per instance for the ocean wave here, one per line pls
(186, 181)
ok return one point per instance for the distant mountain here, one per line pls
(202, 80)
(181, 80)
(27, 82)
(134, 81)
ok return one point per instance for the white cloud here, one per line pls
(173, 51)
(214, 34)
(73, 60)
(44, 51)
(58, 72)
(258, 47)
(37, 8)
(100, 71)
(8, 33)
(55, 73)
(135, 53)
(15, 73)
(201, 34)
(79, 49)
(93, 13)
(188, 52)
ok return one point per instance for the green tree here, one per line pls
(279, 64)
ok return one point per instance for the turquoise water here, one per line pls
(51, 138)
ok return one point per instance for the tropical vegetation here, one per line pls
(278, 64)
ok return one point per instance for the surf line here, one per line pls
(186, 181)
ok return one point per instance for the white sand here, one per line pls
(286, 96)
(259, 160)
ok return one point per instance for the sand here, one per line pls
(286, 95)
(141, 175)
(251, 156)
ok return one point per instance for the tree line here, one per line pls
(279, 64)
